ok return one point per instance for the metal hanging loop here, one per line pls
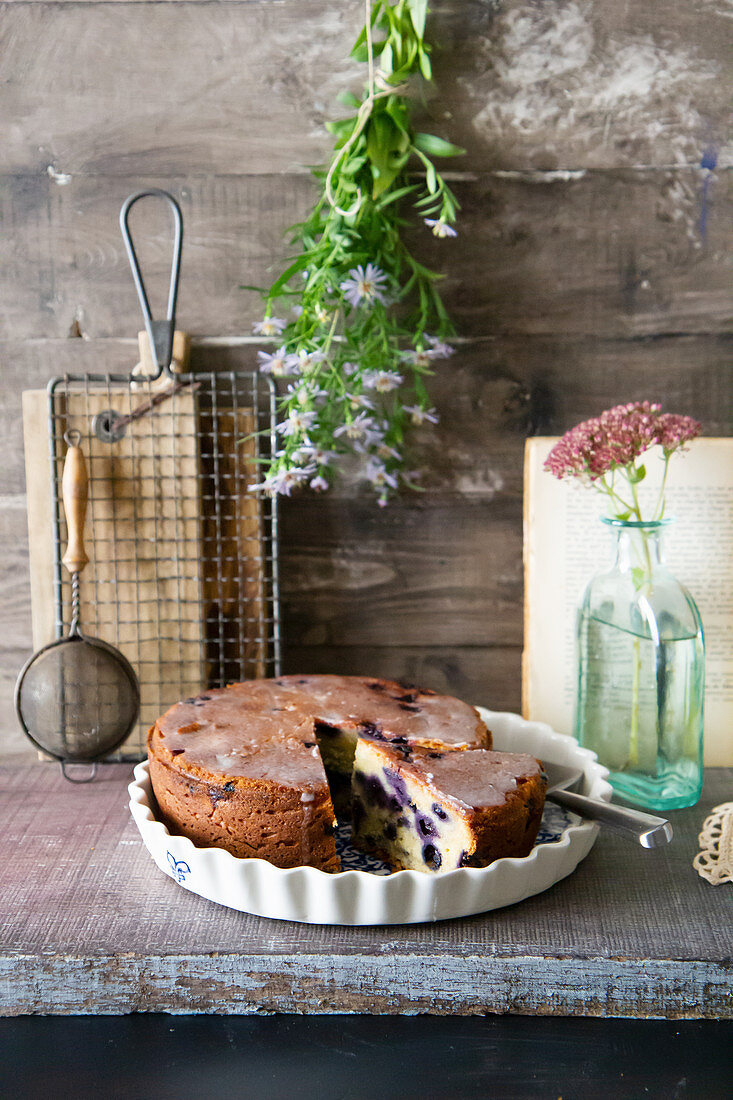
(75, 776)
(160, 333)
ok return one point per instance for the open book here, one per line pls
(565, 544)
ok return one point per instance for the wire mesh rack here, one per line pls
(182, 575)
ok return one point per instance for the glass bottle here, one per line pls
(641, 673)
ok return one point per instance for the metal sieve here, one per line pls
(77, 698)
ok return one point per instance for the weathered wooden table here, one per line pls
(90, 925)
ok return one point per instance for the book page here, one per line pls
(565, 544)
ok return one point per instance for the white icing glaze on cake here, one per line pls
(269, 729)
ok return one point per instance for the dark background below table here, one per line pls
(140, 1057)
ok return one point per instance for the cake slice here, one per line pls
(347, 706)
(426, 810)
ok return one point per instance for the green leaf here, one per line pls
(399, 75)
(385, 179)
(418, 12)
(398, 112)
(299, 265)
(395, 40)
(429, 202)
(436, 146)
(349, 100)
(425, 67)
(388, 149)
(361, 39)
(382, 136)
(341, 127)
(395, 195)
(352, 165)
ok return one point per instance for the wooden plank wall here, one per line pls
(592, 267)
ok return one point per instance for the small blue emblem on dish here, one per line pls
(179, 867)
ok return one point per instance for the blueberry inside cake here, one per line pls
(435, 810)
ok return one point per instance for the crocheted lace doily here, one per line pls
(715, 860)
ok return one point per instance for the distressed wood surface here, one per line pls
(426, 575)
(593, 85)
(627, 253)
(92, 926)
(488, 675)
(579, 85)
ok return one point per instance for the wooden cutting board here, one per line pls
(232, 547)
(174, 538)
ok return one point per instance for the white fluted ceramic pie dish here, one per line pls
(371, 896)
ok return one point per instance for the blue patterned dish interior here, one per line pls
(555, 820)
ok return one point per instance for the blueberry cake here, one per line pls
(255, 768)
(429, 810)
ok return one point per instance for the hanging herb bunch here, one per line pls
(364, 319)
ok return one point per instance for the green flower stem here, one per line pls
(635, 687)
(623, 509)
(659, 507)
(613, 496)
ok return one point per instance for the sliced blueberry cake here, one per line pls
(428, 810)
(258, 767)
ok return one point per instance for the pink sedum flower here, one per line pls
(597, 449)
(673, 431)
(616, 438)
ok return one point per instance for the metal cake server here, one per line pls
(650, 831)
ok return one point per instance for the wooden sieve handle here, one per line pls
(75, 491)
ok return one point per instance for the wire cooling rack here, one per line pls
(182, 574)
